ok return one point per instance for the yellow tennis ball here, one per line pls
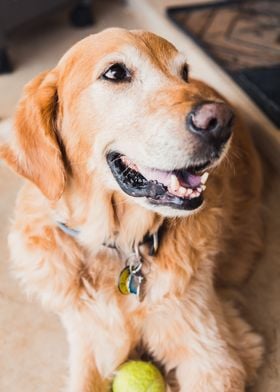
(138, 376)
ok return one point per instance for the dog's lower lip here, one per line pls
(177, 202)
(179, 189)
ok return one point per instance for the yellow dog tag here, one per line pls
(123, 281)
(130, 280)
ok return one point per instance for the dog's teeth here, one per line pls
(188, 192)
(194, 194)
(174, 183)
(199, 189)
(182, 191)
(132, 166)
(203, 187)
(129, 163)
(204, 178)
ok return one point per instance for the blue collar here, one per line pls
(151, 239)
(68, 230)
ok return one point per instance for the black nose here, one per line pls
(211, 121)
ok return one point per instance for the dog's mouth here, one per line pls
(179, 189)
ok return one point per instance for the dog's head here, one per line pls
(121, 103)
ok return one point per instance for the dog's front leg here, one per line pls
(193, 336)
(209, 364)
(197, 374)
(97, 347)
(83, 373)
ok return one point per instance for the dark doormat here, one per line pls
(243, 37)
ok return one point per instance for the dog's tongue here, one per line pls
(171, 179)
(156, 175)
(185, 178)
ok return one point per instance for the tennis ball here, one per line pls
(138, 376)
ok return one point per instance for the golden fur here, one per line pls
(61, 133)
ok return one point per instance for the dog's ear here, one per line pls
(34, 150)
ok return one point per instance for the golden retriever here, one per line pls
(117, 229)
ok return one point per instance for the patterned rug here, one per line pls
(243, 37)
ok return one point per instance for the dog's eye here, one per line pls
(117, 73)
(185, 73)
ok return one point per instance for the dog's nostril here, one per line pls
(212, 124)
(211, 119)
(202, 122)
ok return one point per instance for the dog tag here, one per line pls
(134, 283)
(123, 281)
(130, 281)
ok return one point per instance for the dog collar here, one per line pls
(67, 230)
(150, 239)
(131, 277)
